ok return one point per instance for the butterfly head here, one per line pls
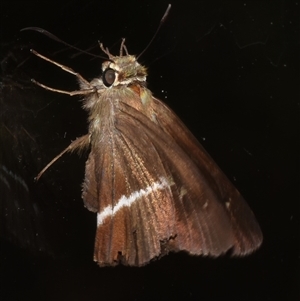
(122, 69)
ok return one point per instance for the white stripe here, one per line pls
(127, 201)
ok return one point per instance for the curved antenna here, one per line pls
(157, 30)
(55, 38)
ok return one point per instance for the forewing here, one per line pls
(156, 190)
(247, 233)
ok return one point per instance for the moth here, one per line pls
(153, 186)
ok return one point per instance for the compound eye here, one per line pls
(108, 77)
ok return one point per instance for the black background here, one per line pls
(229, 69)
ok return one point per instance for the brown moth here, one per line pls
(154, 187)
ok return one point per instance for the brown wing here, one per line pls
(246, 230)
(156, 190)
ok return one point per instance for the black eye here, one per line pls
(108, 77)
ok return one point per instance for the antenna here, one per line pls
(157, 30)
(55, 38)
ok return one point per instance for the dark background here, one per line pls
(229, 69)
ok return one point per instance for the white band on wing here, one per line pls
(127, 201)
